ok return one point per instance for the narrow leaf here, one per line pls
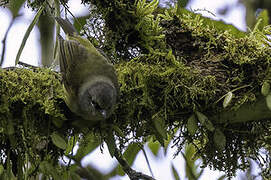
(175, 173)
(227, 99)
(26, 35)
(71, 143)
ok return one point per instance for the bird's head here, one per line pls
(98, 100)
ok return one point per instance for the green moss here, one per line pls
(169, 66)
(30, 104)
(191, 68)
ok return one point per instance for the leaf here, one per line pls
(192, 125)
(268, 101)
(14, 6)
(175, 173)
(219, 140)
(58, 141)
(26, 35)
(154, 147)
(205, 121)
(87, 145)
(130, 155)
(227, 99)
(265, 88)
(71, 143)
(159, 124)
(79, 22)
(131, 152)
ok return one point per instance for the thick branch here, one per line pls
(133, 175)
(248, 112)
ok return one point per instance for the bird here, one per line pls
(90, 81)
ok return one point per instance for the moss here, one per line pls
(192, 69)
(30, 111)
(169, 66)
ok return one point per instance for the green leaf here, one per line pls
(154, 147)
(71, 143)
(86, 145)
(14, 6)
(265, 88)
(79, 22)
(219, 140)
(58, 141)
(175, 173)
(205, 121)
(129, 155)
(26, 35)
(268, 101)
(192, 125)
(159, 124)
(131, 152)
(227, 99)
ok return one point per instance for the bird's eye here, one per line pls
(96, 105)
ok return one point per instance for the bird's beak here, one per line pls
(103, 112)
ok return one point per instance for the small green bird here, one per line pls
(90, 81)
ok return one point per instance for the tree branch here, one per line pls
(133, 175)
(247, 112)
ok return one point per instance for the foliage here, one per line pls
(177, 70)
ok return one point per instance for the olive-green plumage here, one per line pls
(90, 82)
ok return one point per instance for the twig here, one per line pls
(147, 160)
(4, 42)
(133, 175)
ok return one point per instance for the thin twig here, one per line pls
(4, 42)
(147, 160)
(133, 175)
